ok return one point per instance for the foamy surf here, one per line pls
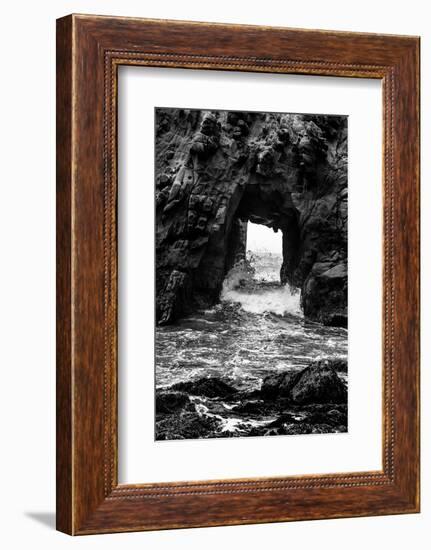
(258, 330)
(243, 285)
(280, 300)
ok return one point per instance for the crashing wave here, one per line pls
(280, 301)
(240, 286)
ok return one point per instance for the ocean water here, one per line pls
(256, 329)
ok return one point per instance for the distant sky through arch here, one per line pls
(263, 239)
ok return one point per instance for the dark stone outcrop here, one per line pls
(170, 401)
(186, 425)
(208, 387)
(316, 419)
(308, 400)
(279, 384)
(318, 383)
(217, 170)
(338, 363)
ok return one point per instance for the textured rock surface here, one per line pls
(279, 384)
(185, 425)
(318, 383)
(339, 364)
(171, 401)
(217, 170)
(310, 400)
(209, 387)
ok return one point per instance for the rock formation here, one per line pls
(217, 170)
(318, 383)
(309, 400)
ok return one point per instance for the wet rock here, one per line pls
(266, 161)
(178, 416)
(308, 419)
(216, 170)
(208, 387)
(334, 417)
(170, 304)
(337, 363)
(252, 408)
(201, 223)
(324, 296)
(319, 384)
(186, 425)
(279, 384)
(295, 428)
(170, 401)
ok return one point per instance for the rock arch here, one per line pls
(217, 169)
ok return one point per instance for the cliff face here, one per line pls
(216, 170)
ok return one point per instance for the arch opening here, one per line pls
(266, 222)
(218, 171)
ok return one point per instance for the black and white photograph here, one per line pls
(251, 273)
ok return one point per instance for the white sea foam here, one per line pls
(279, 300)
(258, 328)
(276, 300)
(242, 286)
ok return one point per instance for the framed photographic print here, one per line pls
(237, 274)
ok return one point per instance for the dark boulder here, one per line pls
(338, 363)
(208, 387)
(319, 384)
(296, 428)
(324, 294)
(252, 407)
(186, 425)
(305, 419)
(320, 418)
(333, 414)
(279, 384)
(170, 401)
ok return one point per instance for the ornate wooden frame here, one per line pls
(89, 51)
